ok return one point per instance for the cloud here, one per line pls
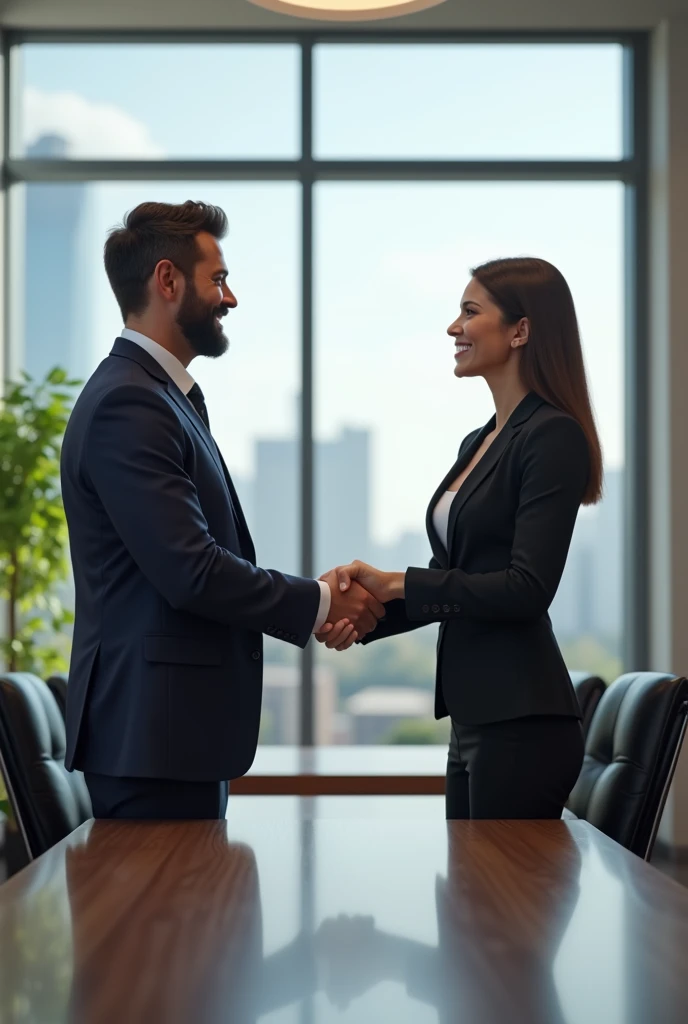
(91, 130)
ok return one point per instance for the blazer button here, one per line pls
(255, 655)
(435, 609)
(446, 608)
(457, 607)
(426, 608)
(294, 638)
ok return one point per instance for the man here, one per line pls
(166, 674)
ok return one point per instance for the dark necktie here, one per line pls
(195, 396)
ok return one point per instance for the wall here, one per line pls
(668, 368)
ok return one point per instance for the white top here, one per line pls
(184, 381)
(440, 516)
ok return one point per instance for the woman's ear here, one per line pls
(522, 333)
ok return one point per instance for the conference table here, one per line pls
(294, 911)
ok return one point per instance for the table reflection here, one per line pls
(190, 942)
(351, 920)
(496, 944)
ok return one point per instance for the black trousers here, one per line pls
(522, 768)
(155, 799)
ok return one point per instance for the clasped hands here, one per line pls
(359, 593)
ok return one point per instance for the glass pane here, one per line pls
(108, 100)
(468, 101)
(70, 317)
(390, 414)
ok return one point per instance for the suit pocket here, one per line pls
(181, 650)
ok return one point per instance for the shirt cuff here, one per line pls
(324, 608)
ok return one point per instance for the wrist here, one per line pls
(395, 585)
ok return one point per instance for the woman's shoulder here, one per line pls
(554, 428)
(550, 415)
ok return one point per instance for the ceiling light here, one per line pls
(346, 10)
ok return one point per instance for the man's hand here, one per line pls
(340, 634)
(353, 603)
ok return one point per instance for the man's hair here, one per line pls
(153, 232)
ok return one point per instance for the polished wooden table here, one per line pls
(350, 771)
(301, 919)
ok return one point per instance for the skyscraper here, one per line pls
(342, 505)
(342, 501)
(57, 299)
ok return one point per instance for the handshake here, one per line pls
(359, 593)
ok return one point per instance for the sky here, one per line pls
(391, 259)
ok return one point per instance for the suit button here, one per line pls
(435, 609)
(255, 655)
(446, 608)
(426, 608)
(457, 607)
(293, 638)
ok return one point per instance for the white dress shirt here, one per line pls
(184, 381)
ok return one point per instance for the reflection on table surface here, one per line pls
(292, 917)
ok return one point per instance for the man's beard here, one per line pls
(197, 323)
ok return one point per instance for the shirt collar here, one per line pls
(181, 376)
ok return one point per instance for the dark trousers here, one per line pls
(155, 799)
(522, 768)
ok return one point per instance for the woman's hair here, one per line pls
(552, 360)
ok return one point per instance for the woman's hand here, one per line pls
(339, 637)
(385, 586)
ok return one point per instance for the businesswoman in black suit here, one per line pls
(500, 526)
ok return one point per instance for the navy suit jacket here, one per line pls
(510, 527)
(165, 678)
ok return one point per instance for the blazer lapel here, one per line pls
(490, 459)
(438, 548)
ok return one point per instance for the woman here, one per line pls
(500, 526)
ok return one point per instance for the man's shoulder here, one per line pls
(112, 374)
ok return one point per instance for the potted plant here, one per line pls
(33, 529)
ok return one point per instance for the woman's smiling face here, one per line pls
(483, 340)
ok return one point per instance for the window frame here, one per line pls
(631, 170)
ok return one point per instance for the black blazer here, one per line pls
(165, 678)
(510, 528)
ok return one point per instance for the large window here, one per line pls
(362, 180)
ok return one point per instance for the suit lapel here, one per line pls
(130, 350)
(245, 538)
(195, 420)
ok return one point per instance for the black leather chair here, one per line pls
(630, 756)
(589, 690)
(48, 801)
(57, 684)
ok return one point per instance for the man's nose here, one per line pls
(229, 299)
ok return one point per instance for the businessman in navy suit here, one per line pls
(165, 680)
